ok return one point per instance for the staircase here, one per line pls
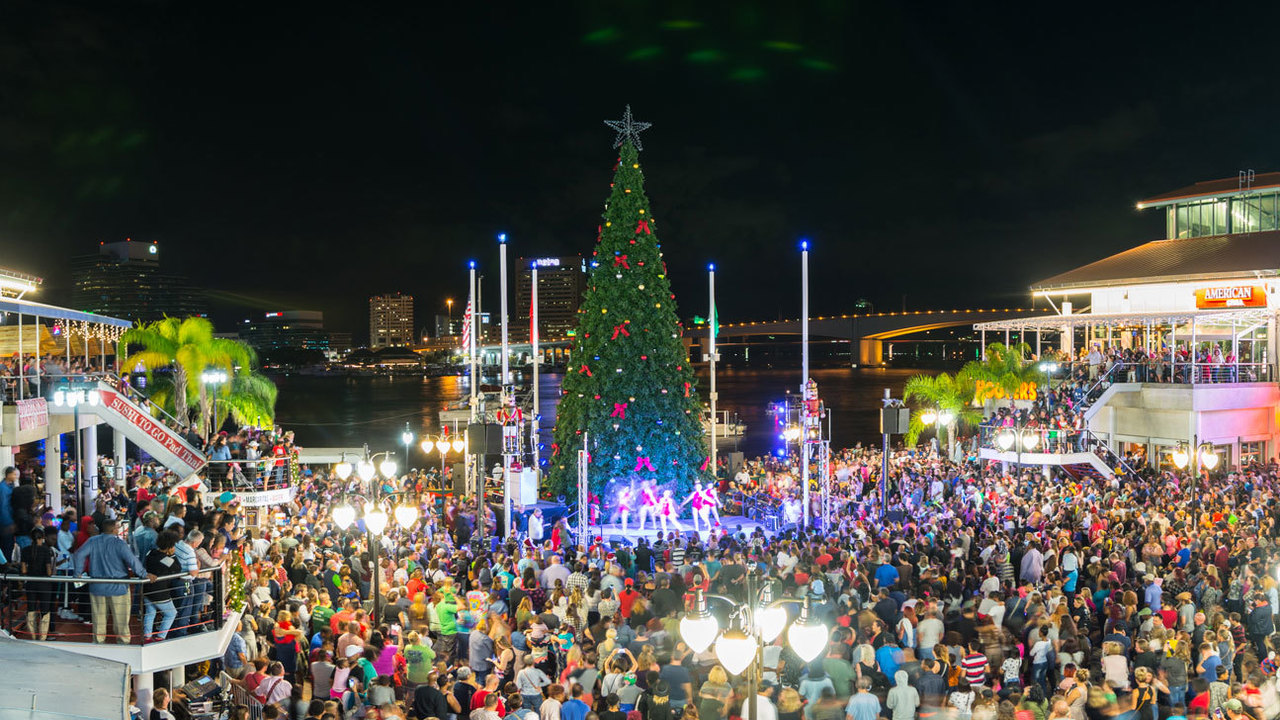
(1093, 458)
(143, 423)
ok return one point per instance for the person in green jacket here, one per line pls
(447, 613)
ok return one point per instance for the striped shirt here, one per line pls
(975, 668)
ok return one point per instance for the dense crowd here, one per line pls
(976, 595)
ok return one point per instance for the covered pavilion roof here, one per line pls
(1134, 319)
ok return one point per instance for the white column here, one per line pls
(143, 687)
(89, 443)
(177, 677)
(6, 457)
(53, 470)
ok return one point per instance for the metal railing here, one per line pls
(64, 608)
(1160, 370)
(1047, 440)
(268, 473)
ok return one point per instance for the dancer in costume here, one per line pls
(648, 503)
(710, 505)
(669, 512)
(695, 498)
(626, 499)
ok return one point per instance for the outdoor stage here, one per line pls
(552, 512)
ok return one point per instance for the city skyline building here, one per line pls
(287, 329)
(127, 280)
(391, 321)
(561, 283)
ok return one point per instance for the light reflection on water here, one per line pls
(342, 411)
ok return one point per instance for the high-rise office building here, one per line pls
(293, 329)
(390, 321)
(126, 280)
(561, 283)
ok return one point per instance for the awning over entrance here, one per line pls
(1130, 320)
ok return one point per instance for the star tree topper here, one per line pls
(628, 129)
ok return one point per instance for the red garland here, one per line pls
(619, 411)
(621, 260)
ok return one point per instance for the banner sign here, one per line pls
(152, 428)
(33, 413)
(264, 498)
(1231, 296)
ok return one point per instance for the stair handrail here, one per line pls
(1096, 441)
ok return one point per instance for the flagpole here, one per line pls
(804, 379)
(711, 334)
(471, 344)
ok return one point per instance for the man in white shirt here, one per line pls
(765, 709)
(535, 526)
(928, 633)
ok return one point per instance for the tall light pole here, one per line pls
(804, 372)
(212, 377)
(711, 335)
(375, 514)
(472, 328)
(537, 360)
(759, 622)
(406, 437)
(1205, 455)
(448, 302)
(507, 391)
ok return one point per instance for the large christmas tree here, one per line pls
(629, 387)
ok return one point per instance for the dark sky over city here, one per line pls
(304, 156)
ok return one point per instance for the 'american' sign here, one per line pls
(1229, 296)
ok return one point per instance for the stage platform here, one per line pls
(734, 524)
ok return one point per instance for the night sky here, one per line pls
(307, 157)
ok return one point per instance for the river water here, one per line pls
(349, 411)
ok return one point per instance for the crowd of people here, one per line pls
(962, 592)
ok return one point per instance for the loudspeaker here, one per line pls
(459, 481)
(735, 462)
(484, 439)
(895, 421)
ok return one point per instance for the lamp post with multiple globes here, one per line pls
(752, 625)
(943, 418)
(1022, 437)
(1204, 456)
(374, 509)
(443, 445)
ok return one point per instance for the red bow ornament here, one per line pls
(621, 260)
(587, 371)
(619, 411)
(643, 225)
(619, 329)
(642, 463)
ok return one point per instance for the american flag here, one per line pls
(466, 328)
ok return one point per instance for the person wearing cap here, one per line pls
(765, 709)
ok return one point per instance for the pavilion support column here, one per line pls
(89, 473)
(143, 688)
(6, 457)
(53, 469)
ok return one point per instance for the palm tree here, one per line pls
(941, 394)
(186, 348)
(1004, 366)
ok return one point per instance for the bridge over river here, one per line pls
(870, 331)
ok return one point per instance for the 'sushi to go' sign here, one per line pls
(1231, 296)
